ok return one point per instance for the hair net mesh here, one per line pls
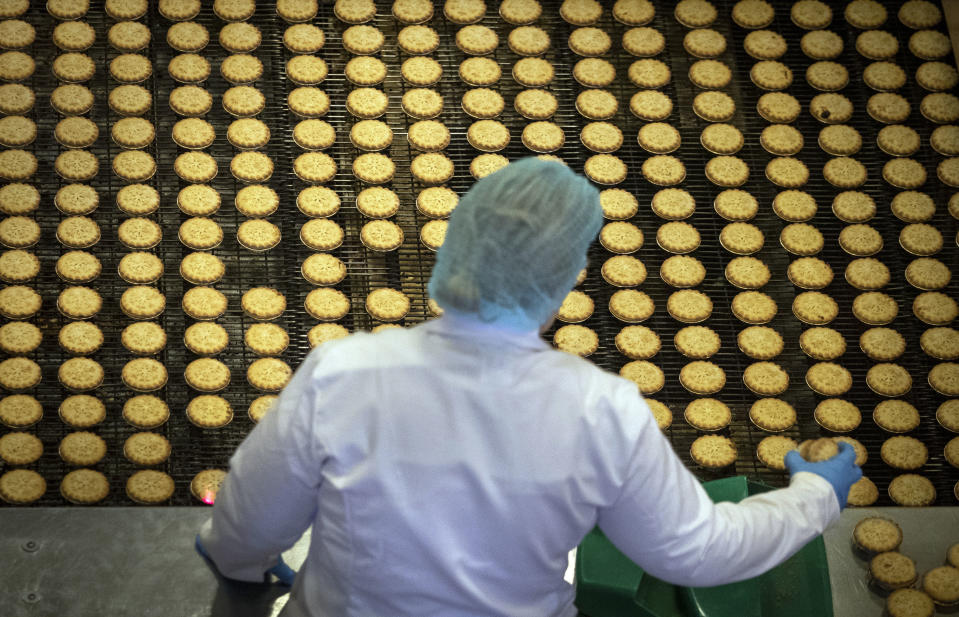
(515, 244)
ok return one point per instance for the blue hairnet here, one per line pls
(515, 244)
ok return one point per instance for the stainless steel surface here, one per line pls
(927, 533)
(140, 562)
(119, 562)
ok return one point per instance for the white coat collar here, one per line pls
(464, 327)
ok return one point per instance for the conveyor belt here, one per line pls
(409, 267)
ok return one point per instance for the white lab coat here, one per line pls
(449, 468)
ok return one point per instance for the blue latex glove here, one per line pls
(841, 471)
(284, 573)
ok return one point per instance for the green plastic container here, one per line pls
(608, 584)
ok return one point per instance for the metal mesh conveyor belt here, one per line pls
(408, 268)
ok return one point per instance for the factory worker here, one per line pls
(448, 469)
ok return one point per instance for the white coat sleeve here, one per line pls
(270, 494)
(665, 522)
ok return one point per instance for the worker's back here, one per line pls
(459, 468)
(448, 468)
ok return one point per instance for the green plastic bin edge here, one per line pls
(609, 584)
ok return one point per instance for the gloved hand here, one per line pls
(284, 573)
(840, 471)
